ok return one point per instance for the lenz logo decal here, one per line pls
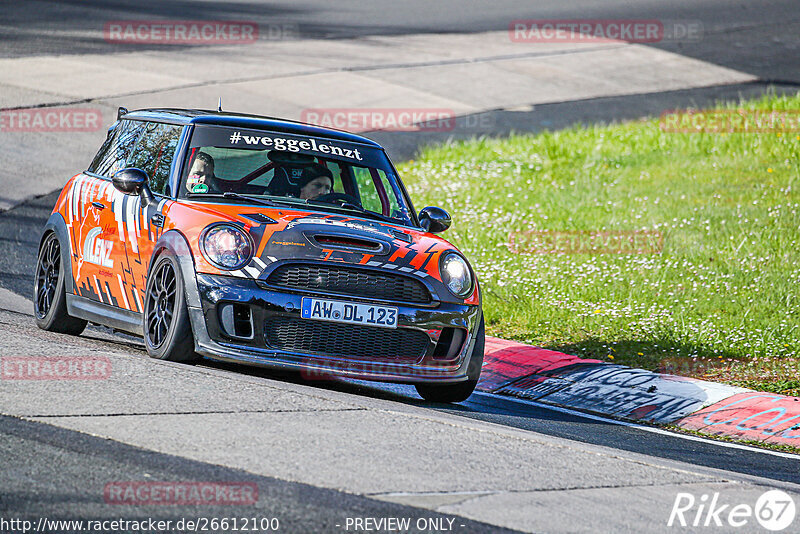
(97, 251)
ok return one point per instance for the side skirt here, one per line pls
(104, 314)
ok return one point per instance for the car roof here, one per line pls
(243, 120)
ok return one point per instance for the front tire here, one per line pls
(461, 391)
(49, 293)
(167, 330)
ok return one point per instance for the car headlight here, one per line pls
(456, 275)
(226, 246)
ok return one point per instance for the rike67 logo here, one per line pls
(774, 510)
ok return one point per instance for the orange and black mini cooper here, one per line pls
(262, 241)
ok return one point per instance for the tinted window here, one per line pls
(373, 185)
(294, 169)
(155, 152)
(101, 154)
(115, 151)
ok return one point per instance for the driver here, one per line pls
(201, 177)
(315, 182)
(307, 182)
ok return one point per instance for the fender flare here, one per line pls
(58, 226)
(177, 244)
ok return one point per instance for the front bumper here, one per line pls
(215, 340)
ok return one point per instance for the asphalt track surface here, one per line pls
(55, 473)
(46, 469)
(761, 38)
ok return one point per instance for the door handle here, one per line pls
(99, 205)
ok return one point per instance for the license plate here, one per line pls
(348, 312)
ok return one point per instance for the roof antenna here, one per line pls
(219, 104)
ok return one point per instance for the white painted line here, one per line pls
(637, 426)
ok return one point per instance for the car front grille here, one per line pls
(294, 334)
(350, 281)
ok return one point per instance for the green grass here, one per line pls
(720, 301)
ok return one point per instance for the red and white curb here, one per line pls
(751, 415)
(559, 379)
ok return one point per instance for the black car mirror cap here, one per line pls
(434, 219)
(133, 181)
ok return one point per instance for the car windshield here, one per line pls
(230, 164)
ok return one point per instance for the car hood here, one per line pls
(289, 235)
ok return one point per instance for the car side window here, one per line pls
(155, 152)
(114, 153)
(369, 193)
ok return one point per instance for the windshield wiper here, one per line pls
(341, 204)
(230, 194)
(353, 207)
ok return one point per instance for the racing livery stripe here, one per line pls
(117, 206)
(71, 202)
(111, 300)
(138, 301)
(81, 200)
(130, 209)
(97, 286)
(122, 290)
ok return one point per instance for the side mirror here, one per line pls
(434, 220)
(133, 181)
